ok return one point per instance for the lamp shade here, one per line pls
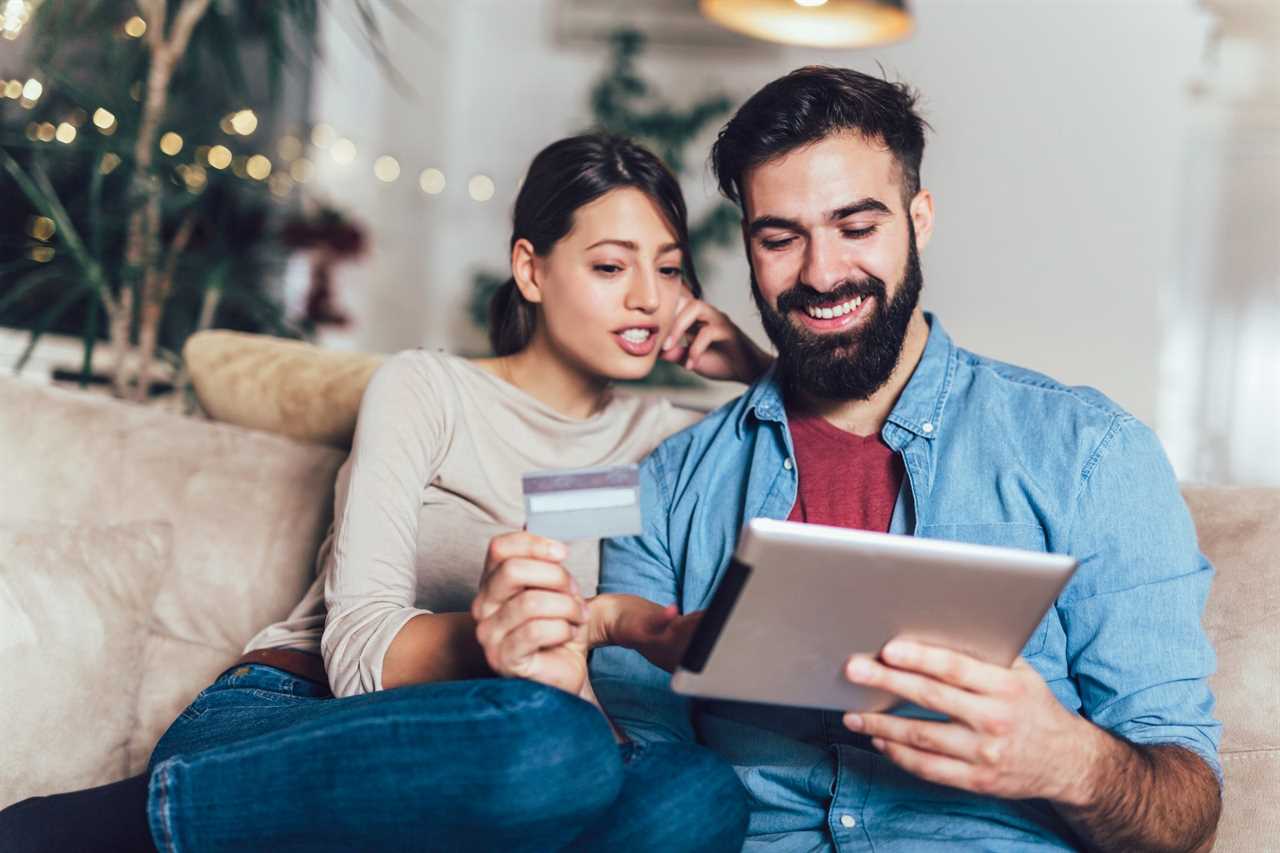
(814, 23)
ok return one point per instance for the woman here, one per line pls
(422, 748)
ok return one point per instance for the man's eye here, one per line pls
(859, 233)
(607, 269)
(774, 245)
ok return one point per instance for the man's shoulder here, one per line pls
(718, 427)
(1016, 385)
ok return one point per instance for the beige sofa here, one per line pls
(139, 550)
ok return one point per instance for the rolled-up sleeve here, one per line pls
(1135, 645)
(633, 692)
(371, 580)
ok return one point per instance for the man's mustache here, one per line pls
(803, 296)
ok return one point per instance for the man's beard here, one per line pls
(849, 365)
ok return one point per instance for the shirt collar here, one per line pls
(919, 408)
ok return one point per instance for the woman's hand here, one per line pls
(659, 633)
(716, 349)
(531, 620)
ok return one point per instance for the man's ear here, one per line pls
(524, 269)
(921, 212)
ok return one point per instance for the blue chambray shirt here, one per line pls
(994, 454)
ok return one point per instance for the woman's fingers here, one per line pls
(521, 543)
(528, 605)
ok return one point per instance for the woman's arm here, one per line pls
(717, 348)
(371, 579)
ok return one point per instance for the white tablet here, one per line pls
(798, 599)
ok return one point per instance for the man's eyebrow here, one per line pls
(860, 206)
(863, 205)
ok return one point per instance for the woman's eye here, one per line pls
(607, 269)
(671, 272)
(775, 245)
(859, 233)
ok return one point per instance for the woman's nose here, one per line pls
(643, 294)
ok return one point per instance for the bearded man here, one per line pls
(1101, 734)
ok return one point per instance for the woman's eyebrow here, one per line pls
(631, 246)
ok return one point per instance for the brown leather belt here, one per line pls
(306, 665)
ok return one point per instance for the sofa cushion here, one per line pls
(75, 603)
(248, 511)
(287, 387)
(1239, 532)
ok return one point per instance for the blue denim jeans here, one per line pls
(263, 759)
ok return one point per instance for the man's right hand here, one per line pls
(530, 616)
(659, 633)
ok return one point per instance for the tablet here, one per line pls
(798, 599)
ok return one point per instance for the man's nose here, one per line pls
(823, 268)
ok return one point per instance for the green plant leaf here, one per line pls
(47, 319)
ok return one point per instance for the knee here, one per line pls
(705, 806)
(559, 760)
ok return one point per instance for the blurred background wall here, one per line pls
(1107, 174)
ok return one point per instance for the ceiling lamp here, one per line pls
(814, 23)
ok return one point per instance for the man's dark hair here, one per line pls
(810, 104)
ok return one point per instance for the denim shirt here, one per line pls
(995, 455)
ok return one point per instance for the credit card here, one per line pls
(584, 503)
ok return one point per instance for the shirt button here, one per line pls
(847, 821)
(927, 427)
(786, 464)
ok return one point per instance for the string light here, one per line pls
(301, 170)
(13, 15)
(109, 162)
(135, 27)
(13, 89)
(480, 187)
(258, 167)
(386, 168)
(103, 119)
(33, 131)
(219, 156)
(239, 166)
(42, 254)
(432, 181)
(280, 184)
(66, 133)
(41, 228)
(322, 136)
(32, 90)
(343, 151)
(290, 148)
(171, 143)
(244, 122)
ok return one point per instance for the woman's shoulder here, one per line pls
(654, 415)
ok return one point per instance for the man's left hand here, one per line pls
(1007, 734)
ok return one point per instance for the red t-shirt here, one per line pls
(845, 480)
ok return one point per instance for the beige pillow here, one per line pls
(75, 604)
(287, 387)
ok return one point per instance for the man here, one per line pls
(1101, 734)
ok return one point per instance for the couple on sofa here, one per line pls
(1101, 734)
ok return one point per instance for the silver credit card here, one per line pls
(585, 503)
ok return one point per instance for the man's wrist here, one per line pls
(1091, 755)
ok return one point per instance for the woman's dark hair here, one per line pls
(810, 104)
(563, 177)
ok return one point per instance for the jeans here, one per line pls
(263, 759)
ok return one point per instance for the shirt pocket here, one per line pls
(1024, 535)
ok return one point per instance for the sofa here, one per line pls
(140, 549)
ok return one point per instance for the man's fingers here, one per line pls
(923, 690)
(929, 766)
(516, 575)
(953, 667)
(521, 543)
(949, 739)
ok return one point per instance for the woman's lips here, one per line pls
(638, 348)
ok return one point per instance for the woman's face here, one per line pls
(609, 287)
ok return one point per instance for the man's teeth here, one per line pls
(636, 336)
(835, 311)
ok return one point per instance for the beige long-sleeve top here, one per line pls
(434, 473)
